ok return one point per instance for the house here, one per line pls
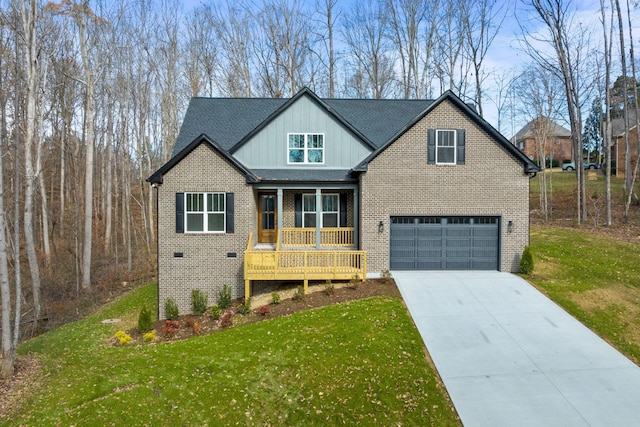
(618, 152)
(306, 189)
(544, 135)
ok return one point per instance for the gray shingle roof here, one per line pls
(618, 124)
(227, 120)
(303, 175)
(554, 129)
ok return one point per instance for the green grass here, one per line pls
(593, 277)
(564, 186)
(359, 363)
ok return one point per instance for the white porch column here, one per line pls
(318, 217)
(279, 222)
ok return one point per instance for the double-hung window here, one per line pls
(305, 148)
(446, 147)
(204, 212)
(330, 210)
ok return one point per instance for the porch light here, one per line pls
(380, 227)
(510, 227)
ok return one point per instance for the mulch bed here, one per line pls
(191, 325)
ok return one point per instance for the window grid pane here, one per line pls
(205, 212)
(445, 146)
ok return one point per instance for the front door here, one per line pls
(267, 218)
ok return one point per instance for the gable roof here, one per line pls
(156, 178)
(231, 121)
(529, 165)
(618, 124)
(528, 131)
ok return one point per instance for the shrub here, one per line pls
(170, 328)
(122, 338)
(215, 311)
(149, 336)
(355, 281)
(526, 261)
(385, 275)
(226, 320)
(171, 309)
(198, 302)
(275, 298)
(264, 310)
(145, 321)
(329, 289)
(245, 307)
(196, 327)
(224, 297)
(299, 295)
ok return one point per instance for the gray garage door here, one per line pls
(444, 243)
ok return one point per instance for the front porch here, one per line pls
(302, 264)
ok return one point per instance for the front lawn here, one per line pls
(358, 363)
(594, 277)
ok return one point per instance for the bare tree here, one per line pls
(482, 20)
(413, 31)
(569, 47)
(607, 39)
(8, 349)
(364, 30)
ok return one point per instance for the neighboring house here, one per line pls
(313, 189)
(619, 147)
(544, 132)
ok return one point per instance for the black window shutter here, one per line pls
(297, 202)
(431, 146)
(179, 212)
(343, 210)
(460, 147)
(230, 211)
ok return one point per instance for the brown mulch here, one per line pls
(263, 309)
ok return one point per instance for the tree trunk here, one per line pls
(7, 366)
(29, 18)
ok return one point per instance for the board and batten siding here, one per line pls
(268, 148)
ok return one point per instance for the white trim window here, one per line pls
(204, 212)
(330, 210)
(305, 148)
(445, 146)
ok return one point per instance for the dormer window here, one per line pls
(306, 148)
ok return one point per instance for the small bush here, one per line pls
(224, 297)
(149, 336)
(196, 327)
(226, 321)
(170, 328)
(145, 321)
(245, 307)
(264, 310)
(355, 281)
(385, 275)
(329, 289)
(275, 298)
(526, 261)
(122, 338)
(215, 311)
(198, 302)
(299, 295)
(171, 309)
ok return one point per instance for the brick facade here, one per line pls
(400, 182)
(205, 264)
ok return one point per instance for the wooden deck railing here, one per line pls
(329, 237)
(302, 265)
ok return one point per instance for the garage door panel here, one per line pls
(444, 243)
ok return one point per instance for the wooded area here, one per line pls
(92, 94)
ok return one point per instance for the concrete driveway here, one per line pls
(509, 356)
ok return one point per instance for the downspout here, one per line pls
(155, 186)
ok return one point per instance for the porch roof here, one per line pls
(304, 175)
